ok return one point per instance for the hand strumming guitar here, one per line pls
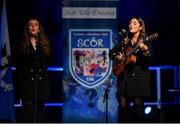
(118, 56)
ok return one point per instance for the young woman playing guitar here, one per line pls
(132, 57)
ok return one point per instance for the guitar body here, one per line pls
(129, 58)
(118, 67)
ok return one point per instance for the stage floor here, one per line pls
(168, 113)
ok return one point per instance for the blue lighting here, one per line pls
(150, 68)
(13, 68)
(55, 69)
(49, 68)
(19, 104)
(53, 104)
(158, 69)
(45, 104)
(147, 110)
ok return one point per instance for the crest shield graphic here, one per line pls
(89, 62)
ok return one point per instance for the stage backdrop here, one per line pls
(89, 28)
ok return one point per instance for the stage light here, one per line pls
(53, 104)
(147, 110)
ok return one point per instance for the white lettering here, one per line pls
(90, 42)
(89, 79)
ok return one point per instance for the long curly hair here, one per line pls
(42, 39)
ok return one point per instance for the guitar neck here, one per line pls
(147, 39)
(137, 47)
(133, 50)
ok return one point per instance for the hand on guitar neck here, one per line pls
(121, 60)
(142, 46)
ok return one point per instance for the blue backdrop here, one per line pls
(89, 29)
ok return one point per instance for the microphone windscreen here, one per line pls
(123, 33)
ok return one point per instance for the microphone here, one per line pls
(123, 33)
(35, 36)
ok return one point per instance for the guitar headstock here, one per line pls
(154, 36)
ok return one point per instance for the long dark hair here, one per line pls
(142, 33)
(42, 39)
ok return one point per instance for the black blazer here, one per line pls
(32, 74)
(135, 79)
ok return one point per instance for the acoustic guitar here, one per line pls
(128, 57)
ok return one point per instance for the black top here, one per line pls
(32, 74)
(135, 79)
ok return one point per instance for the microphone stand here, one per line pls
(106, 97)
